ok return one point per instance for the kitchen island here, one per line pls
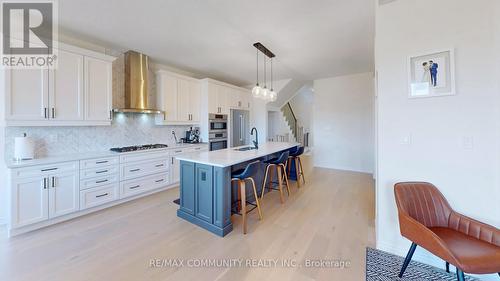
(205, 183)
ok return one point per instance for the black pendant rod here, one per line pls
(264, 50)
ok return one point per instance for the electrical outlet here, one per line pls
(468, 142)
(406, 140)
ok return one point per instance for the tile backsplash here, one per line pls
(126, 129)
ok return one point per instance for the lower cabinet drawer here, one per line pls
(99, 172)
(141, 169)
(137, 186)
(104, 180)
(98, 195)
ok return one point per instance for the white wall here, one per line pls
(437, 127)
(343, 122)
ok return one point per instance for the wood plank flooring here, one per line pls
(331, 217)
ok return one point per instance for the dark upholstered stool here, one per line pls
(280, 165)
(240, 177)
(295, 156)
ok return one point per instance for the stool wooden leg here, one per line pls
(286, 181)
(280, 183)
(256, 198)
(264, 183)
(243, 205)
(301, 170)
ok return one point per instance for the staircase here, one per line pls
(290, 119)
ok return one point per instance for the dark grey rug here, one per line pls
(384, 266)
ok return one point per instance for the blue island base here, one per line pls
(203, 224)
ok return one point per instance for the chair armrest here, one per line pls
(474, 228)
(424, 237)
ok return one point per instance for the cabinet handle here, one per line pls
(134, 187)
(198, 148)
(102, 195)
(44, 183)
(45, 111)
(51, 169)
(101, 162)
(100, 172)
(53, 182)
(159, 165)
(178, 151)
(111, 115)
(159, 180)
(101, 181)
(134, 170)
(172, 160)
(53, 112)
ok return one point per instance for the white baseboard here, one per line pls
(423, 256)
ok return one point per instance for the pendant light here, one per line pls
(256, 91)
(272, 94)
(265, 90)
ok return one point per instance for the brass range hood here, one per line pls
(136, 85)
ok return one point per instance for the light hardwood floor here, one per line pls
(331, 217)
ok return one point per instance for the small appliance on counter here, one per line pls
(192, 136)
(24, 148)
(138, 147)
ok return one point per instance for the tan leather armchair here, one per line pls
(426, 219)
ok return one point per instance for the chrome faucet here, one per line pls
(256, 141)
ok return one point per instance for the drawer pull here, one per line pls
(135, 170)
(159, 180)
(101, 162)
(102, 195)
(159, 165)
(134, 187)
(51, 169)
(101, 181)
(178, 151)
(100, 172)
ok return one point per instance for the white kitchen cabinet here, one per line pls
(218, 99)
(78, 92)
(167, 95)
(195, 100)
(26, 94)
(64, 194)
(179, 98)
(98, 89)
(48, 195)
(66, 88)
(29, 202)
(183, 113)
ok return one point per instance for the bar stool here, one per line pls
(295, 156)
(240, 177)
(280, 165)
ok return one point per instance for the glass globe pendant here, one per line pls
(256, 91)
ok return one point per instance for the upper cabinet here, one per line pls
(179, 97)
(98, 89)
(77, 92)
(222, 97)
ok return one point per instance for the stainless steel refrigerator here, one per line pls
(240, 123)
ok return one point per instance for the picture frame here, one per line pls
(431, 74)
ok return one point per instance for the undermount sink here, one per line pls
(245, 148)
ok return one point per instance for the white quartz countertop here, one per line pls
(230, 156)
(12, 164)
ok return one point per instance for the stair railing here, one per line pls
(290, 118)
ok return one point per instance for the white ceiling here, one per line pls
(311, 38)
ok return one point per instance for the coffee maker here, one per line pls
(192, 135)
